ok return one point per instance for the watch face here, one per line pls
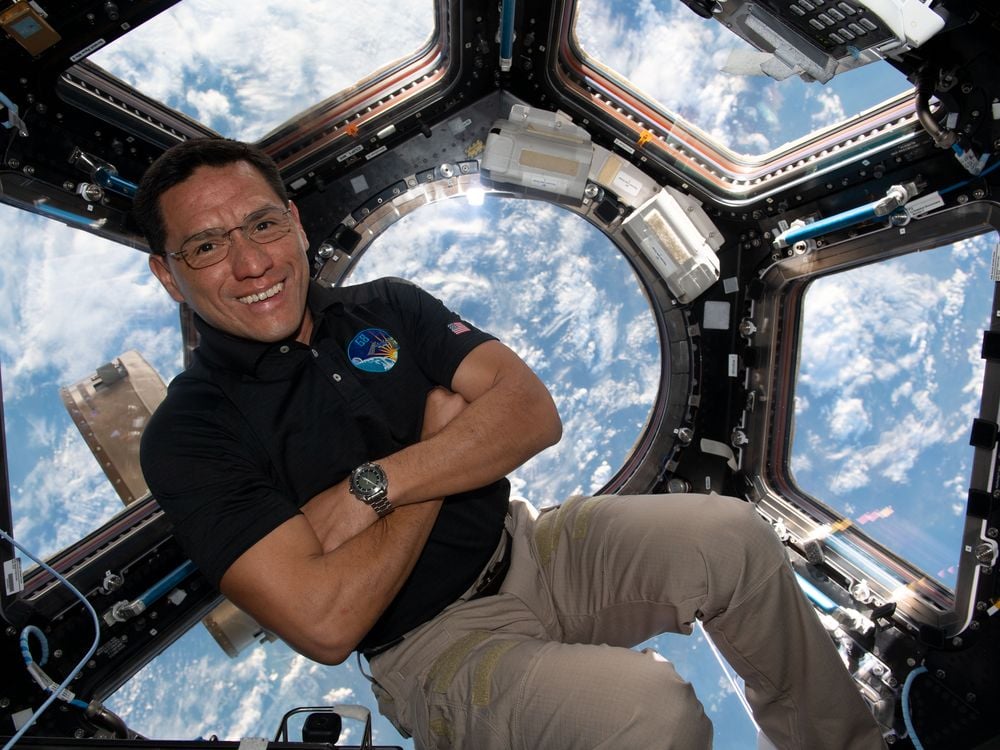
(367, 481)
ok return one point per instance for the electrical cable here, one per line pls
(58, 691)
(907, 720)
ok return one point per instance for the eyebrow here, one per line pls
(211, 231)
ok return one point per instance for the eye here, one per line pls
(205, 247)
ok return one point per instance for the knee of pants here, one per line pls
(613, 698)
(739, 549)
(735, 525)
(667, 707)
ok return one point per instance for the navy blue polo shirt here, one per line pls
(252, 431)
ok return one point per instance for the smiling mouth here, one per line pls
(261, 296)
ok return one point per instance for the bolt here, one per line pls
(890, 739)
(970, 697)
(739, 438)
(963, 198)
(57, 654)
(685, 435)
(325, 251)
(676, 484)
(861, 592)
(984, 554)
(13, 163)
(992, 532)
(79, 734)
(956, 641)
(29, 170)
(978, 194)
(974, 625)
(966, 88)
(892, 682)
(939, 674)
(4, 702)
(747, 328)
(10, 631)
(910, 661)
(980, 606)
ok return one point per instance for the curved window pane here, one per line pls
(889, 383)
(678, 59)
(243, 70)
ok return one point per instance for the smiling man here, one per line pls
(334, 461)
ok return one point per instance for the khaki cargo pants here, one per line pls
(545, 664)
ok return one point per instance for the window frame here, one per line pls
(767, 458)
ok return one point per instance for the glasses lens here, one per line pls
(268, 227)
(205, 250)
(212, 247)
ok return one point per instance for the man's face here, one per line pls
(232, 294)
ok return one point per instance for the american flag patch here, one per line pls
(458, 327)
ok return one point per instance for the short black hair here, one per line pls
(178, 163)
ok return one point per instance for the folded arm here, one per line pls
(504, 417)
(323, 592)
(322, 580)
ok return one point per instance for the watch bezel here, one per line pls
(376, 498)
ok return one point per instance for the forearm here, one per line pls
(324, 602)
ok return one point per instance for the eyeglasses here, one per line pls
(212, 246)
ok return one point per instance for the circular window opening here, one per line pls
(557, 291)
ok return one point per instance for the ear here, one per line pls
(161, 270)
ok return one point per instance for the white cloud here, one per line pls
(850, 476)
(668, 62)
(251, 69)
(849, 418)
(74, 297)
(831, 108)
(66, 486)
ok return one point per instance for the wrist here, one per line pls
(370, 484)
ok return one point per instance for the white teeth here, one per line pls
(266, 294)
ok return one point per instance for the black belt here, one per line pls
(491, 581)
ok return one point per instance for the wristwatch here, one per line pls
(370, 485)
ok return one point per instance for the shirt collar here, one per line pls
(245, 355)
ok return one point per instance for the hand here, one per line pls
(441, 407)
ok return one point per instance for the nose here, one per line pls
(248, 258)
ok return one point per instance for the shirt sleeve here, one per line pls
(444, 337)
(202, 465)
